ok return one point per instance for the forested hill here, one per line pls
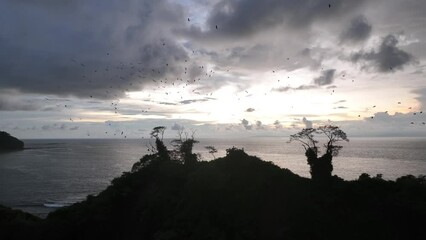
(8, 143)
(234, 197)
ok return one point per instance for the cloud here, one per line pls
(388, 58)
(421, 92)
(384, 124)
(189, 101)
(326, 78)
(97, 48)
(250, 110)
(54, 126)
(277, 124)
(340, 107)
(177, 127)
(359, 30)
(259, 125)
(239, 19)
(167, 103)
(246, 124)
(288, 88)
(257, 35)
(308, 124)
(9, 103)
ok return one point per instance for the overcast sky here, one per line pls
(224, 68)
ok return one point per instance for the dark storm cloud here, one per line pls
(388, 58)
(358, 31)
(88, 48)
(238, 19)
(286, 21)
(326, 78)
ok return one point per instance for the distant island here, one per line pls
(10, 143)
(171, 194)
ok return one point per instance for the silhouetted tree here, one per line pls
(183, 148)
(159, 152)
(320, 167)
(212, 150)
(158, 133)
(236, 153)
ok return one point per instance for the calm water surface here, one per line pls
(54, 173)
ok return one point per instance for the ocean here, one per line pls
(50, 174)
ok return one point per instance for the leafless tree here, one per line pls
(212, 150)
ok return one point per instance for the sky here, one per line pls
(221, 68)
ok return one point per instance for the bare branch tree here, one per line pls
(306, 137)
(158, 132)
(212, 150)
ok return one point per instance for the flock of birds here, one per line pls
(133, 76)
(157, 78)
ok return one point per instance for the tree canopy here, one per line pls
(320, 167)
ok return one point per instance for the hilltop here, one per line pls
(234, 197)
(8, 142)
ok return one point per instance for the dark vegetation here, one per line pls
(169, 194)
(321, 167)
(10, 143)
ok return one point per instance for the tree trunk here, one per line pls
(320, 168)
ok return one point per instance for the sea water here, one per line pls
(50, 174)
